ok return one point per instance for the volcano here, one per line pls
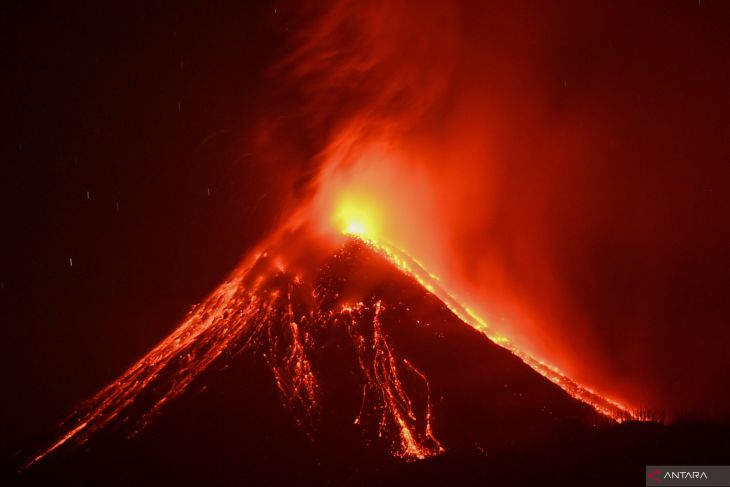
(321, 358)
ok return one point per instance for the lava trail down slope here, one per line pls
(343, 360)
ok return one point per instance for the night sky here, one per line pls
(127, 152)
(148, 148)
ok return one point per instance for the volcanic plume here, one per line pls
(547, 162)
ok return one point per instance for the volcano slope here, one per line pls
(341, 370)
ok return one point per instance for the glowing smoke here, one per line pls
(490, 142)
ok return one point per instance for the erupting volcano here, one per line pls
(387, 242)
(360, 340)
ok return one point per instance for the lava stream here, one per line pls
(263, 308)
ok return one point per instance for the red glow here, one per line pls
(375, 191)
(450, 152)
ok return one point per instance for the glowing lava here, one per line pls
(264, 309)
(381, 369)
(612, 409)
(268, 309)
(356, 215)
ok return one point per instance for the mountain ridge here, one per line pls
(366, 361)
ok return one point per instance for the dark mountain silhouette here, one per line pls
(351, 373)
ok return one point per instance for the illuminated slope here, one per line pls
(358, 215)
(408, 374)
(412, 267)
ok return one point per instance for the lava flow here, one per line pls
(280, 310)
(407, 264)
(263, 308)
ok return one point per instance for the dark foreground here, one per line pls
(614, 456)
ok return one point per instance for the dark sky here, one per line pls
(149, 111)
(145, 145)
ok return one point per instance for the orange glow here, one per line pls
(355, 215)
(369, 189)
(431, 148)
(606, 406)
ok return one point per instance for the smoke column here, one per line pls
(541, 165)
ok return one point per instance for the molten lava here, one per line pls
(276, 305)
(351, 220)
